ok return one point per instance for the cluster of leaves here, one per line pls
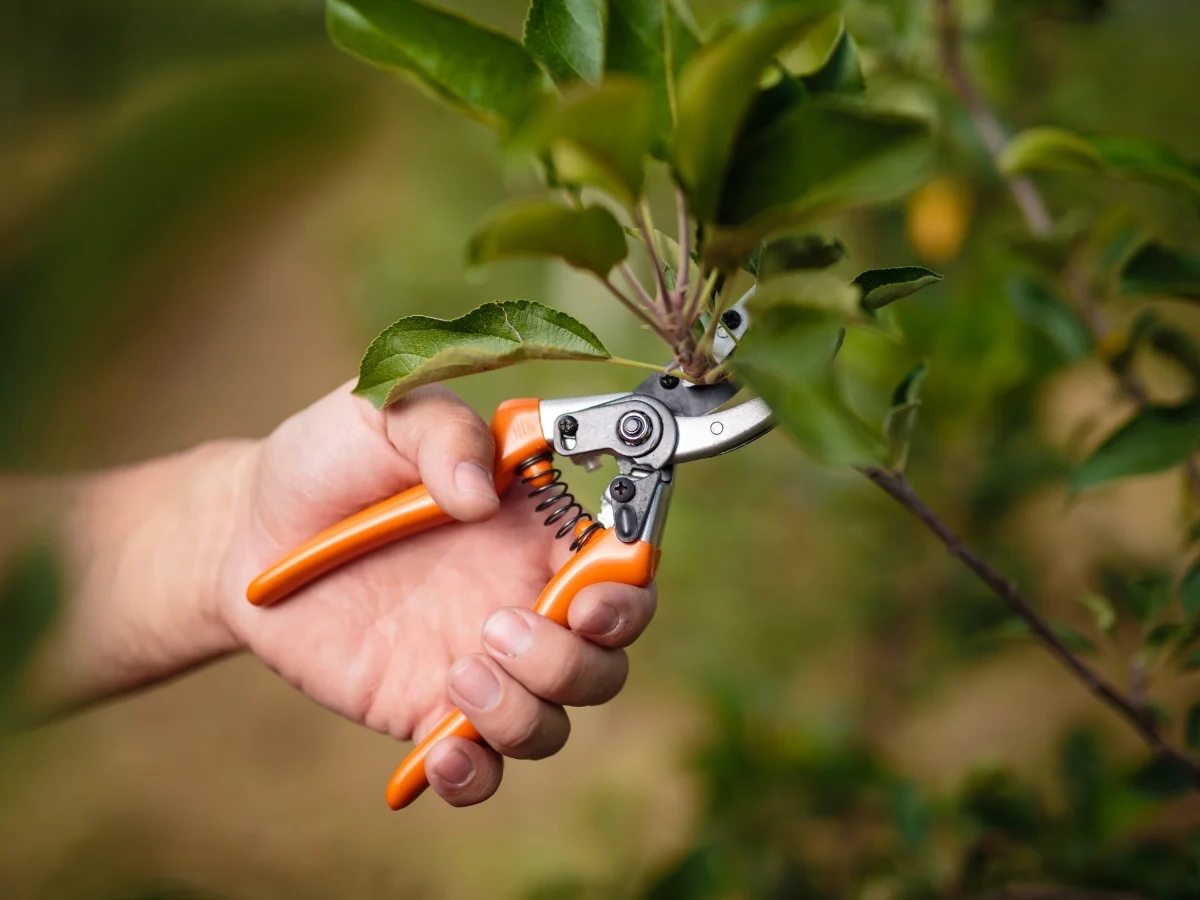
(1148, 621)
(898, 840)
(764, 125)
(1132, 267)
(761, 123)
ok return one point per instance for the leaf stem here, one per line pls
(895, 485)
(635, 285)
(642, 314)
(635, 364)
(714, 319)
(704, 286)
(642, 217)
(684, 236)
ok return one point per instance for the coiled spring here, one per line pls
(548, 485)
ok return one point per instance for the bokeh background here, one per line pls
(206, 212)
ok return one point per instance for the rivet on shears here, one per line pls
(716, 427)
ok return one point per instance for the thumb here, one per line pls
(452, 448)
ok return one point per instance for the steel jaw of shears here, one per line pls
(661, 423)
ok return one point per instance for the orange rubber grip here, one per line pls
(605, 558)
(517, 430)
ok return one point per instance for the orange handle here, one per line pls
(604, 558)
(517, 430)
(397, 517)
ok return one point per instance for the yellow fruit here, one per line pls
(936, 220)
(1112, 344)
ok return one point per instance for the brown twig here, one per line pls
(900, 490)
(640, 292)
(644, 315)
(1032, 205)
(644, 225)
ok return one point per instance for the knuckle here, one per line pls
(462, 426)
(542, 735)
(563, 674)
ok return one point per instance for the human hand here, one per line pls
(393, 640)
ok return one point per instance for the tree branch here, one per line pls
(987, 123)
(899, 489)
(1030, 202)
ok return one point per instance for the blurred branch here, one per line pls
(899, 489)
(987, 123)
(1032, 205)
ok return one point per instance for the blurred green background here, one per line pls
(206, 212)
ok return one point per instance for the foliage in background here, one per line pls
(765, 124)
(1003, 335)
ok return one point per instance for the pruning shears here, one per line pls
(662, 422)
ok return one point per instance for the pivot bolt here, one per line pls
(668, 382)
(567, 426)
(731, 319)
(634, 428)
(622, 489)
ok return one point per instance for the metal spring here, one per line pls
(566, 508)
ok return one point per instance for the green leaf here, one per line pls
(910, 814)
(1161, 634)
(1192, 728)
(567, 37)
(1102, 611)
(1156, 438)
(483, 72)
(1156, 269)
(1165, 339)
(1144, 598)
(586, 146)
(841, 73)
(667, 249)
(808, 289)
(1189, 590)
(816, 158)
(1046, 314)
(883, 286)
(588, 238)
(652, 39)
(1056, 149)
(1162, 777)
(787, 358)
(901, 419)
(786, 254)
(716, 89)
(420, 350)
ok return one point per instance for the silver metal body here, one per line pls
(665, 421)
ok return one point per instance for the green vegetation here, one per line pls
(973, 234)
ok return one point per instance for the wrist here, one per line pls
(143, 547)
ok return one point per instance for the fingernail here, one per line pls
(475, 683)
(472, 478)
(455, 767)
(602, 620)
(507, 632)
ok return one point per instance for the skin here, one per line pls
(160, 554)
